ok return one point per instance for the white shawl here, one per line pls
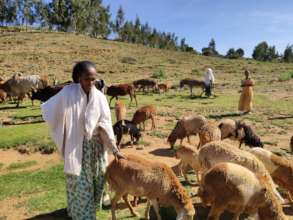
(209, 77)
(71, 118)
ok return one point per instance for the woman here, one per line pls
(73, 115)
(245, 102)
(209, 81)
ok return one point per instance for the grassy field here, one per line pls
(31, 186)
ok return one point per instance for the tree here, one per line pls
(119, 21)
(7, 11)
(211, 49)
(264, 52)
(235, 54)
(288, 54)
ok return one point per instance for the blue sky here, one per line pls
(232, 23)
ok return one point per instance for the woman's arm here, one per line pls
(105, 122)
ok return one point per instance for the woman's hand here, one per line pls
(119, 156)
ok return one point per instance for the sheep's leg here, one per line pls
(188, 139)
(111, 99)
(156, 208)
(114, 204)
(153, 122)
(147, 210)
(199, 144)
(130, 99)
(240, 143)
(216, 211)
(289, 196)
(143, 124)
(236, 216)
(125, 198)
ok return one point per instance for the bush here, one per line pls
(286, 76)
(159, 74)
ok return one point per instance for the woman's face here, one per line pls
(87, 79)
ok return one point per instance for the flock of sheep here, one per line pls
(229, 178)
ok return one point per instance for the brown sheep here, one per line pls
(120, 111)
(240, 131)
(218, 151)
(162, 87)
(188, 125)
(144, 113)
(156, 181)
(208, 133)
(3, 95)
(280, 168)
(237, 189)
(121, 90)
(188, 158)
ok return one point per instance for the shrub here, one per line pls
(286, 76)
(159, 74)
(128, 60)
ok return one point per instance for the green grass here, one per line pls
(23, 165)
(1, 165)
(286, 76)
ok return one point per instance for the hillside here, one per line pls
(40, 188)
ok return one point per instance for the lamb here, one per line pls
(209, 132)
(237, 189)
(162, 87)
(188, 125)
(144, 113)
(126, 127)
(240, 131)
(120, 111)
(217, 151)
(280, 168)
(188, 158)
(156, 181)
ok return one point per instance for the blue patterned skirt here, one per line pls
(84, 192)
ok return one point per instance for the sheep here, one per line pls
(121, 90)
(156, 181)
(240, 131)
(162, 87)
(229, 186)
(218, 151)
(209, 132)
(145, 83)
(3, 95)
(280, 168)
(188, 158)
(120, 111)
(144, 113)
(126, 127)
(188, 125)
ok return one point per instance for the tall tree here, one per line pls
(288, 54)
(119, 21)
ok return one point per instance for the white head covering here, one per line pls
(209, 77)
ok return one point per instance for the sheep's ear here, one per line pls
(220, 125)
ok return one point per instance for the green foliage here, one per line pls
(264, 52)
(235, 54)
(288, 54)
(159, 74)
(211, 49)
(286, 76)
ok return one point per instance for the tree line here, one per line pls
(91, 17)
(262, 52)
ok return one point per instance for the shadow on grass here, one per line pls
(230, 114)
(11, 107)
(60, 214)
(163, 152)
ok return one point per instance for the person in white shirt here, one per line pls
(209, 80)
(73, 116)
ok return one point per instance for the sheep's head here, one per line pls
(228, 128)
